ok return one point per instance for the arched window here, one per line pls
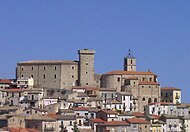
(155, 100)
(143, 99)
(149, 100)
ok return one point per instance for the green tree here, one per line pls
(183, 126)
(75, 129)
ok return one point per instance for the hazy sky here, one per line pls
(156, 31)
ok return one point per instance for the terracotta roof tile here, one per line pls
(14, 90)
(5, 81)
(170, 88)
(116, 123)
(119, 72)
(137, 121)
(97, 120)
(80, 108)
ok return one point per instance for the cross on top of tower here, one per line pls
(129, 54)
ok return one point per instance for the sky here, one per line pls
(157, 32)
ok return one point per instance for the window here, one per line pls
(112, 95)
(86, 72)
(22, 75)
(22, 69)
(70, 123)
(12, 94)
(32, 68)
(55, 68)
(155, 100)
(149, 100)
(44, 76)
(72, 76)
(55, 76)
(32, 76)
(123, 97)
(150, 79)
(86, 63)
(143, 99)
(73, 67)
(44, 68)
(86, 83)
(118, 79)
(131, 61)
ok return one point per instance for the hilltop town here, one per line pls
(68, 96)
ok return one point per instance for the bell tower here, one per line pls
(129, 62)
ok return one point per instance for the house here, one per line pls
(171, 94)
(63, 122)
(107, 115)
(159, 108)
(126, 99)
(137, 124)
(33, 110)
(94, 122)
(172, 123)
(113, 104)
(27, 82)
(41, 123)
(107, 94)
(113, 126)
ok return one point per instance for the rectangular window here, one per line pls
(118, 79)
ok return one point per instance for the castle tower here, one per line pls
(130, 62)
(86, 67)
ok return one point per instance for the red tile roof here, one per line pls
(80, 108)
(137, 121)
(14, 90)
(170, 88)
(148, 83)
(5, 81)
(97, 120)
(129, 73)
(116, 123)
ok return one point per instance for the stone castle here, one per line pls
(68, 73)
(61, 73)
